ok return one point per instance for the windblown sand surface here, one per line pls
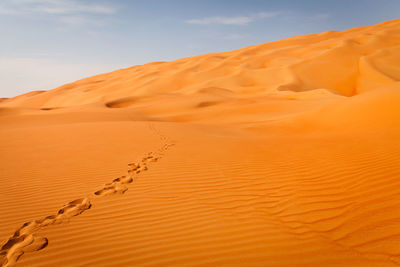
(281, 154)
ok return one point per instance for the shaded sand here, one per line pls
(281, 154)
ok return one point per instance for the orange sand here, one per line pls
(281, 154)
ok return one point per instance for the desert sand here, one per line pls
(280, 154)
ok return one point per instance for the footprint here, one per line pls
(24, 240)
(150, 158)
(74, 208)
(167, 146)
(142, 167)
(118, 185)
(132, 167)
(37, 244)
(123, 180)
(27, 228)
(111, 189)
(47, 220)
(135, 168)
(16, 246)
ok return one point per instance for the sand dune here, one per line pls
(279, 154)
(346, 63)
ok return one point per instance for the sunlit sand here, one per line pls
(280, 154)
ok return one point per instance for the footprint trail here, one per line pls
(25, 238)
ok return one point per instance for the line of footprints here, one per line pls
(24, 239)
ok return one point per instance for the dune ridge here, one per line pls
(348, 63)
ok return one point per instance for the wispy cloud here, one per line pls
(221, 20)
(71, 12)
(77, 20)
(236, 20)
(69, 7)
(57, 7)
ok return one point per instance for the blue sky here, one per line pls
(46, 43)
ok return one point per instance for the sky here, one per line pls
(47, 43)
